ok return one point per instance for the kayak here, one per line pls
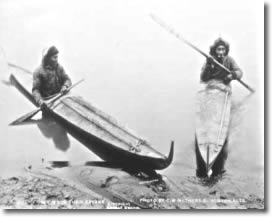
(212, 121)
(96, 130)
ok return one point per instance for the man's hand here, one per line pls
(209, 60)
(42, 104)
(64, 90)
(230, 77)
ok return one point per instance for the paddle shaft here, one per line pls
(223, 118)
(177, 35)
(49, 103)
(220, 128)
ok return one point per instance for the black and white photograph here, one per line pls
(125, 104)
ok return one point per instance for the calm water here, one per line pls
(134, 71)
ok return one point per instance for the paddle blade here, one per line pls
(49, 103)
(24, 117)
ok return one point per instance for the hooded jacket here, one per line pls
(211, 71)
(48, 80)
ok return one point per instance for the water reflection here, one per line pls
(52, 130)
(7, 83)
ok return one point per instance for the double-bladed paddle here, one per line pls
(48, 104)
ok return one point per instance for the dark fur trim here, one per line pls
(218, 42)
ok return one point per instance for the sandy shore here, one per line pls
(32, 192)
(104, 188)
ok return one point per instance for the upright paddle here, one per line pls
(177, 35)
(49, 103)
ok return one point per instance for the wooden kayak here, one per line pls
(212, 121)
(96, 130)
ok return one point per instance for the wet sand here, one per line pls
(92, 187)
(32, 191)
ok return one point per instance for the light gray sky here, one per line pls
(121, 30)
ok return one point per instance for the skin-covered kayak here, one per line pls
(96, 130)
(212, 121)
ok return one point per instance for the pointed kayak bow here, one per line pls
(171, 154)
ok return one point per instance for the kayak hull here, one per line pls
(212, 121)
(96, 130)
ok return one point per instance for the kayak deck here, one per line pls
(212, 120)
(88, 118)
(98, 131)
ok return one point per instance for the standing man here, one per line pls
(215, 76)
(50, 78)
(220, 50)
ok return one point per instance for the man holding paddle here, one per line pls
(50, 78)
(213, 104)
(213, 74)
(219, 51)
(50, 83)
